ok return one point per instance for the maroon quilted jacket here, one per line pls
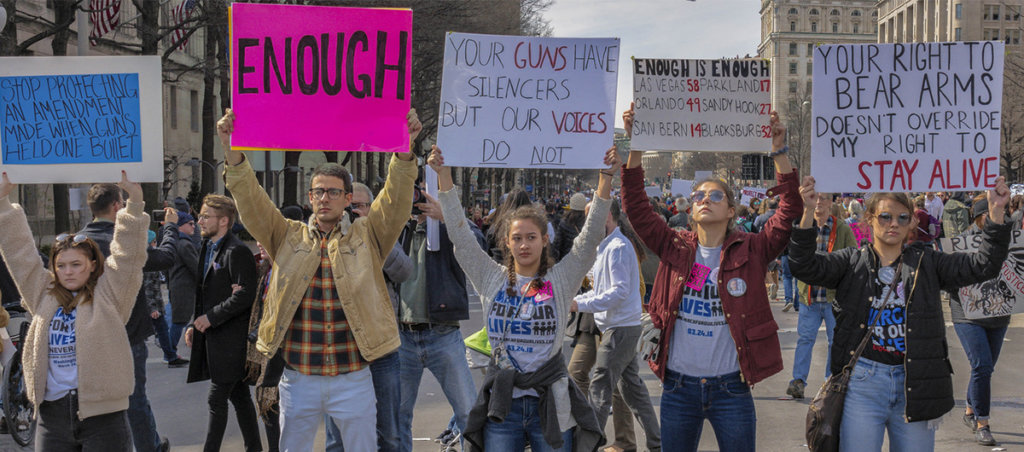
(745, 257)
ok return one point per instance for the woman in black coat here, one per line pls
(902, 381)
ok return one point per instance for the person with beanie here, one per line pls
(181, 283)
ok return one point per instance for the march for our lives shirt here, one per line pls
(888, 337)
(62, 376)
(524, 327)
(701, 343)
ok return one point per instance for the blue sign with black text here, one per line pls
(60, 119)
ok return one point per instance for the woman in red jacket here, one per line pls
(715, 344)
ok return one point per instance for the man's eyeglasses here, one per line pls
(76, 239)
(715, 196)
(885, 218)
(332, 193)
(360, 205)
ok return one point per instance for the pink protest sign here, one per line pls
(320, 78)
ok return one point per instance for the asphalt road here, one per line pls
(181, 409)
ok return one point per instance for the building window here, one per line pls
(792, 68)
(810, 65)
(856, 28)
(813, 12)
(959, 10)
(991, 12)
(194, 110)
(956, 34)
(874, 13)
(793, 105)
(792, 49)
(810, 50)
(172, 101)
(793, 11)
(814, 27)
(855, 13)
(835, 12)
(792, 26)
(1012, 37)
(808, 93)
(991, 34)
(835, 27)
(792, 87)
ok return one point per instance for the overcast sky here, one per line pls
(660, 29)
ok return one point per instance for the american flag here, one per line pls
(179, 15)
(105, 15)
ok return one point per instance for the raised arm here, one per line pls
(584, 248)
(648, 224)
(163, 255)
(961, 269)
(390, 209)
(122, 276)
(255, 209)
(476, 264)
(805, 262)
(19, 251)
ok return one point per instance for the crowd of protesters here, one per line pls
(335, 311)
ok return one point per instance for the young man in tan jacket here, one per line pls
(327, 309)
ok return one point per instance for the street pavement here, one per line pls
(181, 409)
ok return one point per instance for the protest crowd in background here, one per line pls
(325, 313)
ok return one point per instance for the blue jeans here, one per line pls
(522, 424)
(875, 403)
(982, 346)
(441, 350)
(386, 385)
(140, 415)
(792, 295)
(175, 329)
(164, 339)
(724, 400)
(807, 328)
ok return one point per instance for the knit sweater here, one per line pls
(488, 277)
(105, 371)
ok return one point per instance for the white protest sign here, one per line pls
(750, 193)
(997, 297)
(1017, 189)
(701, 175)
(907, 117)
(81, 119)
(653, 192)
(525, 102)
(681, 187)
(701, 105)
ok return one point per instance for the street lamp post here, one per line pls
(277, 175)
(195, 163)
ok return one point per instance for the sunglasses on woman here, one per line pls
(885, 218)
(76, 239)
(715, 196)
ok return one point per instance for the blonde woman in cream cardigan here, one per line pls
(77, 361)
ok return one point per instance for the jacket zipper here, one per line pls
(906, 325)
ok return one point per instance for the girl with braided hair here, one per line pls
(527, 397)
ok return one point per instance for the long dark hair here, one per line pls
(575, 218)
(64, 296)
(539, 218)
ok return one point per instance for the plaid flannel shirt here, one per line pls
(319, 340)
(819, 294)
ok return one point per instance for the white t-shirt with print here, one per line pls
(522, 329)
(702, 345)
(62, 375)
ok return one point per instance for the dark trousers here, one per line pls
(245, 412)
(59, 428)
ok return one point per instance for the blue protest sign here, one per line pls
(54, 119)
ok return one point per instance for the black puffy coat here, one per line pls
(929, 382)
